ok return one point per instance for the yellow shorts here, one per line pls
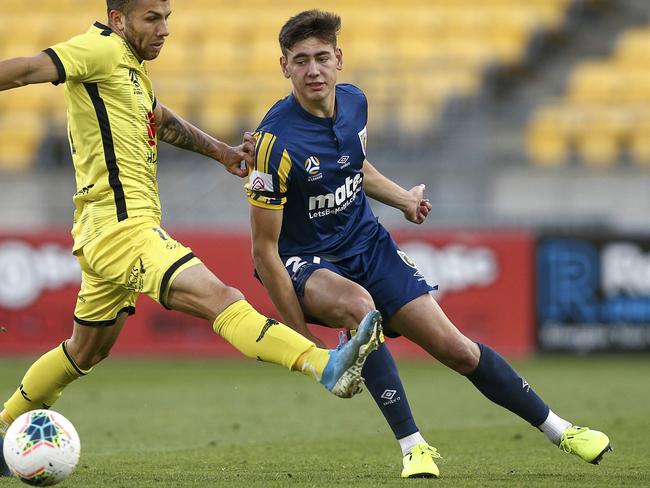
(130, 257)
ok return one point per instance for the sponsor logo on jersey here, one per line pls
(85, 190)
(133, 75)
(344, 161)
(338, 200)
(260, 181)
(135, 280)
(152, 136)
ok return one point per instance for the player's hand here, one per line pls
(419, 207)
(233, 157)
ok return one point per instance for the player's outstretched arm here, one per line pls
(411, 202)
(23, 71)
(265, 228)
(180, 133)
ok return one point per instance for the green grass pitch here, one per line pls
(201, 423)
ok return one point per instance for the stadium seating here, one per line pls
(220, 66)
(604, 116)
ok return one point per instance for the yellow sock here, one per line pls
(43, 383)
(313, 362)
(5, 421)
(259, 337)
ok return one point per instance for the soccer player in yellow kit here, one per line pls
(114, 123)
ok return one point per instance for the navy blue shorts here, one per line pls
(386, 272)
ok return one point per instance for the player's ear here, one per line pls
(116, 18)
(283, 66)
(339, 58)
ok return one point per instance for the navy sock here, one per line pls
(496, 379)
(385, 386)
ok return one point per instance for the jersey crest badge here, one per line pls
(312, 165)
(259, 181)
(363, 137)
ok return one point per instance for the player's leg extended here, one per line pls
(424, 322)
(100, 313)
(46, 379)
(199, 292)
(338, 302)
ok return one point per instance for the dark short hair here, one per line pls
(324, 26)
(121, 5)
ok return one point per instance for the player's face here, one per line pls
(145, 27)
(311, 65)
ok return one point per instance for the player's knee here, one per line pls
(353, 308)
(231, 295)
(221, 298)
(463, 356)
(86, 358)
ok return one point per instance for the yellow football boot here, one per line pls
(589, 445)
(419, 462)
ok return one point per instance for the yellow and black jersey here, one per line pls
(111, 128)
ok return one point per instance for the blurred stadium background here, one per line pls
(529, 122)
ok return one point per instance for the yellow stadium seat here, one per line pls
(175, 59)
(593, 82)
(639, 145)
(222, 120)
(546, 141)
(633, 47)
(218, 56)
(222, 56)
(599, 135)
(415, 117)
(598, 149)
(637, 84)
(20, 135)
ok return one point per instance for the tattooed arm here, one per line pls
(178, 132)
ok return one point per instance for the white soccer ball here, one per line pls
(41, 448)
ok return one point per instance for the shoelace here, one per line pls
(342, 339)
(432, 451)
(564, 442)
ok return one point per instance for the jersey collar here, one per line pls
(324, 121)
(103, 27)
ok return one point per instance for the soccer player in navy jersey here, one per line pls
(323, 256)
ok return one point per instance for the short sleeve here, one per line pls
(269, 179)
(85, 58)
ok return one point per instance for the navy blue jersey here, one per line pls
(309, 168)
